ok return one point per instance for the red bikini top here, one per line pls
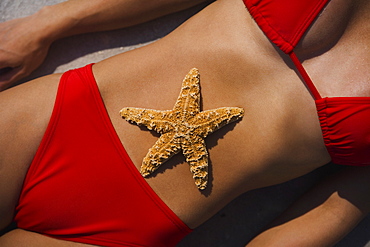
(345, 121)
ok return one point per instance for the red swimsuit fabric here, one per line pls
(345, 123)
(82, 185)
(284, 22)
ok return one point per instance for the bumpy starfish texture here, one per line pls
(183, 128)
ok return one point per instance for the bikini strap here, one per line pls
(305, 76)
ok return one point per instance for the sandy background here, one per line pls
(236, 224)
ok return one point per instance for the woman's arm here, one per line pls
(324, 215)
(82, 16)
(24, 42)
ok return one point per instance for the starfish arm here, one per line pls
(182, 128)
(159, 121)
(209, 121)
(164, 148)
(188, 102)
(196, 155)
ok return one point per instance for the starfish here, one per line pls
(184, 128)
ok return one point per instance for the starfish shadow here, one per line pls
(179, 159)
(212, 141)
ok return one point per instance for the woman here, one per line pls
(278, 139)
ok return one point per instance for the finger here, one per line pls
(8, 61)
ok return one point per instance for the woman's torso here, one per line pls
(279, 137)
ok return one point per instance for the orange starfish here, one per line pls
(183, 128)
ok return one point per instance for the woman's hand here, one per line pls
(22, 49)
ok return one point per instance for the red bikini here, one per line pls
(345, 121)
(82, 185)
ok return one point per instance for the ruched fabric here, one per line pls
(345, 124)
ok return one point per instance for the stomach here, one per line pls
(238, 68)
